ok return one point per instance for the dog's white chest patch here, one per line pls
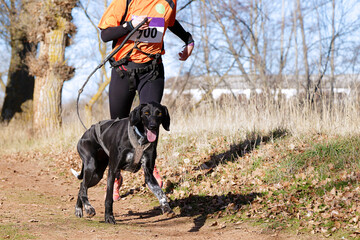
(129, 157)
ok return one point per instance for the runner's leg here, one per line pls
(152, 91)
(120, 98)
(120, 101)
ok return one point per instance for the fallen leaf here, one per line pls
(214, 224)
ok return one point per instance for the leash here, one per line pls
(103, 63)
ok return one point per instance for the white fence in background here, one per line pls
(196, 94)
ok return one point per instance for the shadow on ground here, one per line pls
(240, 149)
(202, 206)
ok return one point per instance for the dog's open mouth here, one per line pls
(151, 135)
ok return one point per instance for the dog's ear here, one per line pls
(135, 115)
(165, 121)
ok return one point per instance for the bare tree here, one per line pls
(49, 67)
(104, 78)
(304, 48)
(20, 84)
(306, 42)
(332, 57)
(233, 50)
(296, 49)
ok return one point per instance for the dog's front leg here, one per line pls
(155, 188)
(109, 216)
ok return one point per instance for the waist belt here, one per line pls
(131, 73)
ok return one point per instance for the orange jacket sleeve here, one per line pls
(113, 14)
(173, 17)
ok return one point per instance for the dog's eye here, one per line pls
(146, 113)
(160, 114)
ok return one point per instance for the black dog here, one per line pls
(123, 144)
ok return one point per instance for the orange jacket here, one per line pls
(162, 14)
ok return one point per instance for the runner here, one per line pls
(138, 65)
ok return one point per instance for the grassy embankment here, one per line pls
(283, 164)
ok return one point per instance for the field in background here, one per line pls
(283, 164)
(225, 116)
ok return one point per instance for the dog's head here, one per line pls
(150, 116)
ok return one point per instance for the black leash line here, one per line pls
(103, 63)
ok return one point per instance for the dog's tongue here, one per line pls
(151, 135)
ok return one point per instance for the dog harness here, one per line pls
(138, 145)
(99, 135)
(139, 148)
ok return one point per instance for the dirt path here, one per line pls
(36, 202)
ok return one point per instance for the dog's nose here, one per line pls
(152, 126)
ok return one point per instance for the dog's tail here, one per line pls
(78, 175)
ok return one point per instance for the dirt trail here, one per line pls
(36, 202)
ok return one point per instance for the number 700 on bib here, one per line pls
(153, 34)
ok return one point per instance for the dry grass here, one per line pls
(227, 118)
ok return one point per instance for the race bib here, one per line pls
(153, 34)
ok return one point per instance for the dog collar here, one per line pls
(142, 137)
(133, 131)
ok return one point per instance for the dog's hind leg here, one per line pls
(92, 175)
(83, 201)
(93, 172)
(79, 204)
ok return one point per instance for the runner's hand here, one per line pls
(138, 20)
(186, 52)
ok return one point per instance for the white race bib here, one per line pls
(153, 34)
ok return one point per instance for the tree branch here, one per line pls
(88, 17)
(204, 96)
(2, 84)
(317, 86)
(6, 6)
(187, 4)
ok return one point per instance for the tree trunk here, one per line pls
(48, 86)
(296, 55)
(305, 50)
(2, 84)
(50, 67)
(20, 84)
(332, 58)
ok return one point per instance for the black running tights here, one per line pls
(120, 98)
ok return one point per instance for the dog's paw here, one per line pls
(78, 212)
(110, 219)
(170, 214)
(166, 208)
(90, 210)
